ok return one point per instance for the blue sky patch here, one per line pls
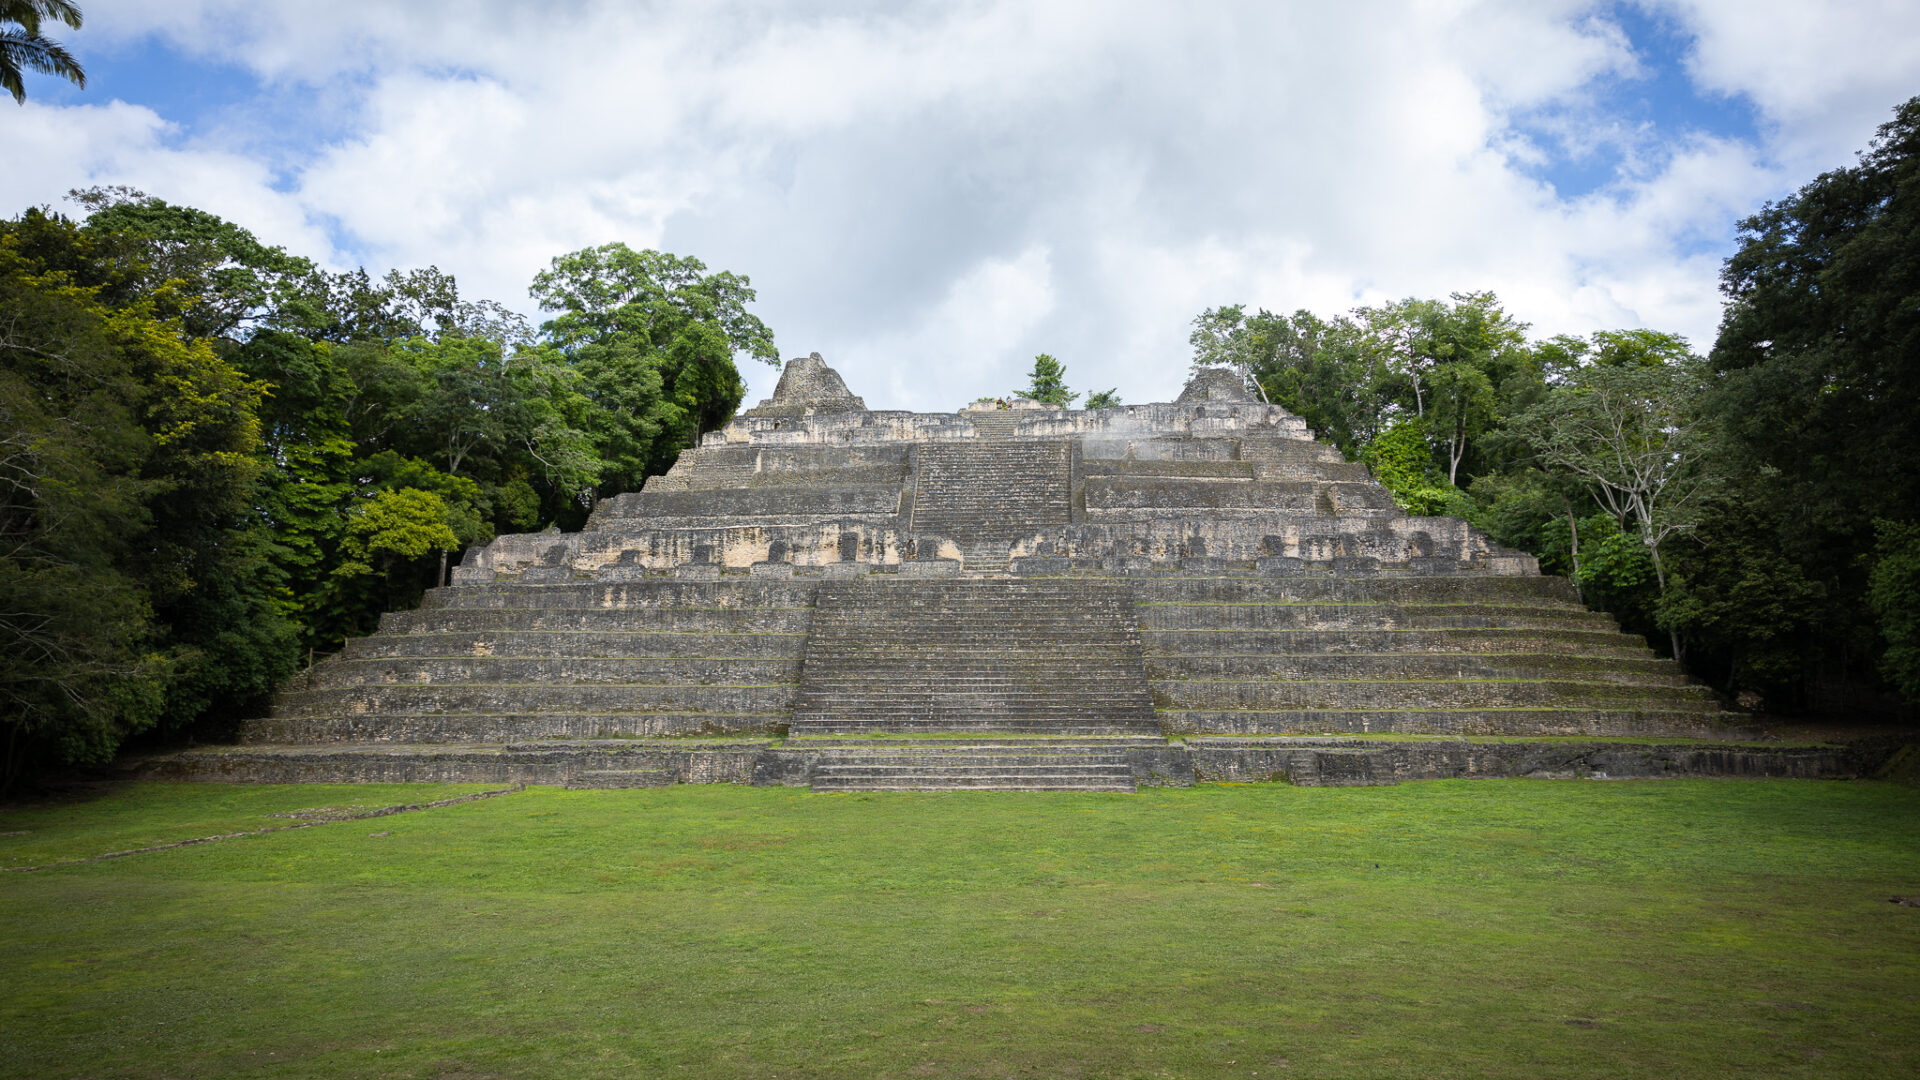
(1625, 126)
(189, 91)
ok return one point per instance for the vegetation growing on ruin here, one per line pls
(1485, 928)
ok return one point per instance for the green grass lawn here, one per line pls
(1456, 928)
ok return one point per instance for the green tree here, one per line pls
(132, 474)
(1104, 399)
(1317, 369)
(1224, 337)
(653, 337)
(1634, 438)
(79, 663)
(1400, 460)
(394, 528)
(23, 48)
(1462, 409)
(1749, 615)
(1047, 383)
(1456, 360)
(1893, 589)
(613, 289)
(1355, 376)
(223, 278)
(1819, 393)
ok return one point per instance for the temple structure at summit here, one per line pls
(811, 480)
(1028, 597)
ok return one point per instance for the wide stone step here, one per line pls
(1368, 616)
(1037, 685)
(1488, 588)
(1440, 640)
(1336, 761)
(839, 499)
(973, 629)
(1118, 590)
(1484, 721)
(911, 710)
(963, 764)
(504, 726)
(936, 782)
(976, 660)
(1087, 627)
(989, 741)
(1014, 676)
(535, 697)
(1215, 471)
(676, 620)
(344, 672)
(531, 762)
(984, 724)
(908, 715)
(1637, 671)
(1083, 619)
(664, 593)
(1187, 497)
(621, 778)
(1423, 694)
(563, 644)
(961, 768)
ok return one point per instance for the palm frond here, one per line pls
(28, 13)
(22, 50)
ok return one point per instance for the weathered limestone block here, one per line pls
(1359, 762)
(808, 386)
(1216, 384)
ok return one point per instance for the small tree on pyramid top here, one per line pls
(1047, 382)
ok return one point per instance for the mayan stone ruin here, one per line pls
(1040, 598)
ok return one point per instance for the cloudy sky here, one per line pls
(930, 193)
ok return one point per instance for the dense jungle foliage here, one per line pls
(218, 460)
(1755, 511)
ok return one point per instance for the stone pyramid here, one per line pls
(1025, 597)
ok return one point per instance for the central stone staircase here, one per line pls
(986, 495)
(1055, 657)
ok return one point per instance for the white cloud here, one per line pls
(1826, 73)
(930, 194)
(52, 150)
(966, 345)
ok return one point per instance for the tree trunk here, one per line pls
(1573, 532)
(442, 579)
(1660, 577)
(1246, 372)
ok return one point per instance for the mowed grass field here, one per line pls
(1461, 928)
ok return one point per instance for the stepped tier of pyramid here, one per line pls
(1027, 598)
